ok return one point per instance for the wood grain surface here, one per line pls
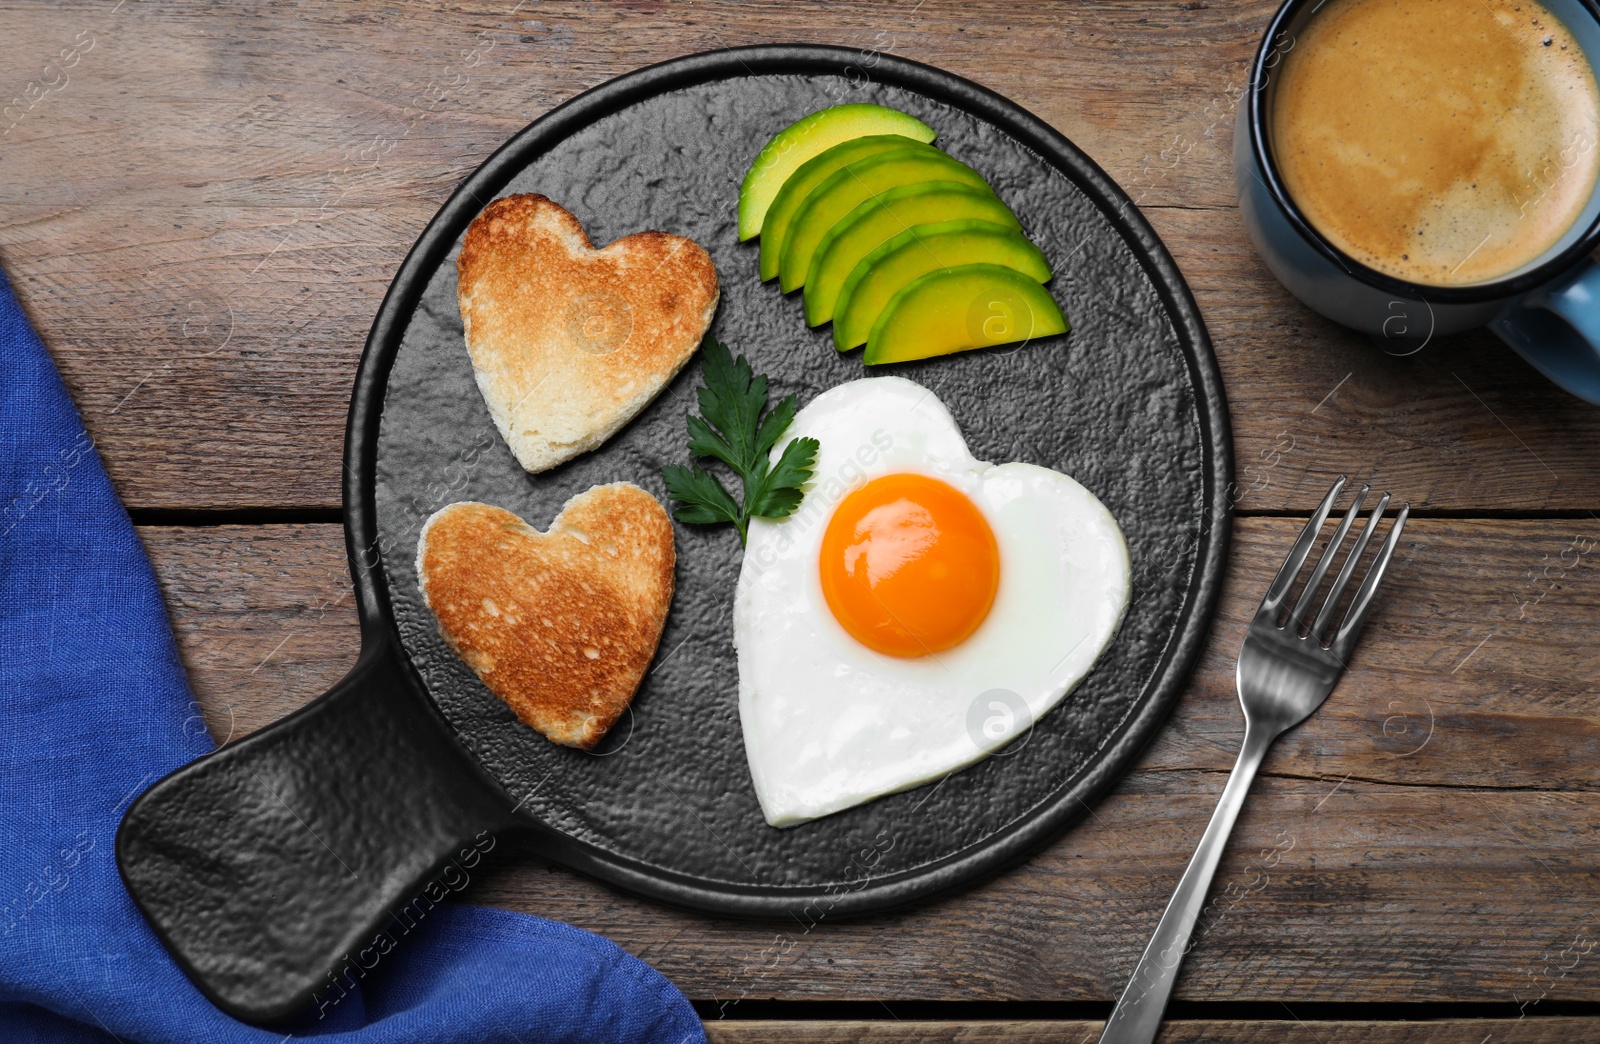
(202, 205)
(1428, 835)
(202, 211)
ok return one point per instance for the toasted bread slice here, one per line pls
(569, 343)
(561, 625)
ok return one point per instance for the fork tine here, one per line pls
(1297, 615)
(1353, 621)
(1297, 556)
(1319, 629)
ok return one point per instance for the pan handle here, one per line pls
(280, 869)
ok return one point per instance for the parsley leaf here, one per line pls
(778, 492)
(704, 500)
(736, 428)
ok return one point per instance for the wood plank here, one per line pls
(1186, 1031)
(1462, 424)
(1435, 821)
(202, 214)
(265, 616)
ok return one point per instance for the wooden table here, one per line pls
(203, 204)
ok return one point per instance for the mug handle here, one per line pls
(1557, 329)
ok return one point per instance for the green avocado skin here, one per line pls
(916, 252)
(849, 186)
(881, 217)
(954, 309)
(807, 176)
(962, 236)
(806, 138)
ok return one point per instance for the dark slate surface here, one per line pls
(1112, 404)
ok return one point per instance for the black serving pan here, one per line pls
(279, 858)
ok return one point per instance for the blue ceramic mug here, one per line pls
(1548, 310)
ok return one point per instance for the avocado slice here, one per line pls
(806, 138)
(846, 188)
(882, 217)
(916, 252)
(954, 309)
(808, 176)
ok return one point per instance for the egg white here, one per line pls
(829, 723)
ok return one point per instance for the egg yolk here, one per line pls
(909, 565)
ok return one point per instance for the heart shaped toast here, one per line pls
(569, 343)
(561, 625)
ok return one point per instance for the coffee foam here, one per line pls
(1439, 141)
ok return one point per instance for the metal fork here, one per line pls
(1284, 676)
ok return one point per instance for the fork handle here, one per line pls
(1137, 1016)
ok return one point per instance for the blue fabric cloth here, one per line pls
(94, 707)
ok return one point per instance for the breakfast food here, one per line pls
(969, 306)
(561, 625)
(1440, 143)
(810, 174)
(850, 187)
(886, 215)
(569, 343)
(879, 275)
(914, 586)
(805, 138)
(861, 213)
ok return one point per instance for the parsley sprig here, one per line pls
(736, 428)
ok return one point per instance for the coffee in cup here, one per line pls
(1444, 143)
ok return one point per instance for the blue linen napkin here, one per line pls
(94, 707)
